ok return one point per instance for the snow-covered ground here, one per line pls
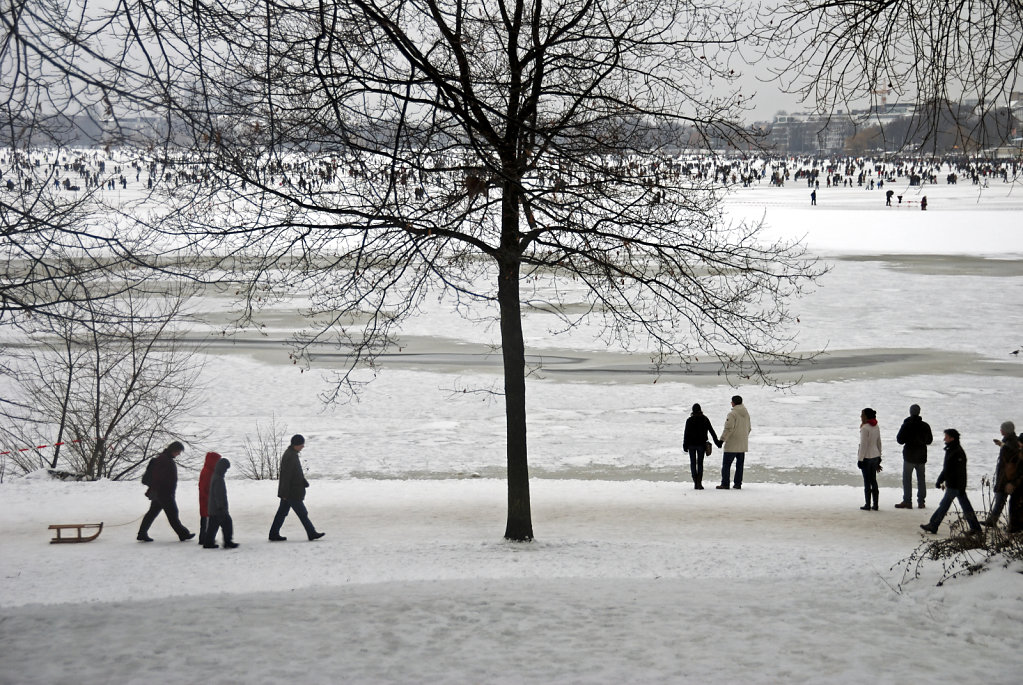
(634, 576)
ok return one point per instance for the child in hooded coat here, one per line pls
(220, 518)
(204, 493)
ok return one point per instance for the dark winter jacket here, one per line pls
(953, 474)
(292, 483)
(163, 476)
(1009, 460)
(697, 427)
(218, 489)
(914, 436)
(204, 482)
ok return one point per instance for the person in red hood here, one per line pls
(220, 516)
(204, 493)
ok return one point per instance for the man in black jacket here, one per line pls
(914, 436)
(953, 480)
(291, 489)
(163, 482)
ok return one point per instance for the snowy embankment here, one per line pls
(628, 582)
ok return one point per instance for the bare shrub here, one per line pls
(262, 453)
(962, 554)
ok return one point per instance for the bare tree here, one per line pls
(368, 152)
(61, 241)
(106, 393)
(50, 247)
(959, 60)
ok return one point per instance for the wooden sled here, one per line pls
(77, 527)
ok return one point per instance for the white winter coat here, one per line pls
(735, 435)
(870, 442)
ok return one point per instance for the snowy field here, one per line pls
(634, 576)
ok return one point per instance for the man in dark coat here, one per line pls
(220, 516)
(914, 436)
(953, 480)
(291, 489)
(163, 482)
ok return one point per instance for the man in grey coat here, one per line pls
(291, 489)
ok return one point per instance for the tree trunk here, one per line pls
(520, 524)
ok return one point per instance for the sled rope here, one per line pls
(39, 447)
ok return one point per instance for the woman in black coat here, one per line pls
(694, 441)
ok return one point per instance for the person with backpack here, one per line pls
(161, 479)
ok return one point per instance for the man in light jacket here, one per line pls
(735, 439)
(291, 489)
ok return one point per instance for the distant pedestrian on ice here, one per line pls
(205, 475)
(868, 457)
(291, 489)
(914, 436)
(161, 477)
(735, 440)
(813, 197)
(220, 516)
(888, 198)
(923, 203)
(953, 481)
(696, 443)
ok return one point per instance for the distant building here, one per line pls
(805, 133)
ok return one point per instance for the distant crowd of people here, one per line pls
(87, 169)
(699, 439)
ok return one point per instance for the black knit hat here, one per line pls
(297, 440)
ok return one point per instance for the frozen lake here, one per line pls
(919, 307)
